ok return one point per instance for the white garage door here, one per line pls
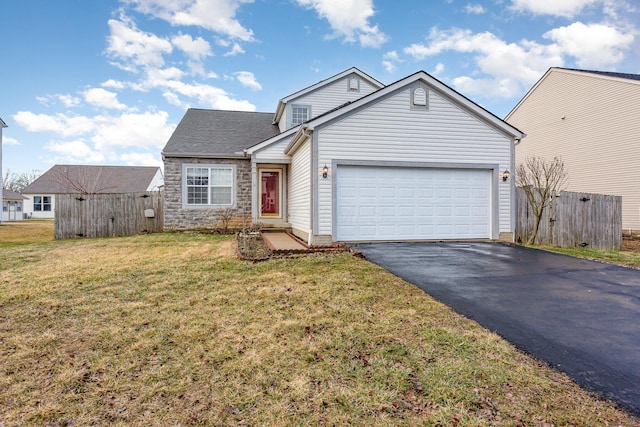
(389, 203)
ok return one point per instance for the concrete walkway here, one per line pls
(282, 241)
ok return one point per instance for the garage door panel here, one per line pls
(385, 203)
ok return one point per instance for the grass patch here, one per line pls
(172, 329)
(624, 258)
(25, 232)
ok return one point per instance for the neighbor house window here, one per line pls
(5, 206)
(209, 185)
(19, 206)
(42, 203)
(299, 114)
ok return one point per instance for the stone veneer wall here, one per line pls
(177, 218)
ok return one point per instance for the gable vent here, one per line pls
(354, 84)
(420, 97)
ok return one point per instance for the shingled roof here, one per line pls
(11, 195)
(607, 73)
(93, 179)
(218, 133)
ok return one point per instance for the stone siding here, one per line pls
(178, 218)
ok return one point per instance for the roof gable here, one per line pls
(218, 133)
(320, 84)
(432, 82)
(92, 179)
(623, 77)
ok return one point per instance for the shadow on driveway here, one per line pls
(580, 316)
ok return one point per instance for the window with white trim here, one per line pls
(299, 114)
(42, 203)
(209, 185)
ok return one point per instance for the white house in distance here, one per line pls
(2, 125)
(349, 159)
(591, 119)
(87, 179)
(12, 205)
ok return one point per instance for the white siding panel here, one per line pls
(327, 98)
(299, 197)
(592, 123)
(274, 153)
(391, 131)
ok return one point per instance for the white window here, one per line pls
(299, 114)
(42, 203)
(209, 185)
(19, 205)
(5, 206)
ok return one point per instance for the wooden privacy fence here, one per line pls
(107, 215)
(573, 220)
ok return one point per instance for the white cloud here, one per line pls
(60, 124)
(474, 9)
(390, 61)
(131, 48)
(438, 69)
(74, 151)
(349, 19)
(102, 137)
(593, 45)
(141, 159)
(103, 98)
(149, 129)
(113, 84)
(66, 100)
(509, 67)
(9, 141)
(215, 15)
(248, 79)
(565, 8)
(235, 50)
(197, 49)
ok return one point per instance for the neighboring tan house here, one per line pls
(87, 179)
(12, 205)
(590, 119)
(349, 159)
(2, 125)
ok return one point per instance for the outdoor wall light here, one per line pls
(505, 175)
(325, 171)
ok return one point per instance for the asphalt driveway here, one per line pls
(580, 316)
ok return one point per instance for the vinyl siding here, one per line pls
(299, 200)
(390, 131)
(273, 153)
(592, 123)
(326, 98)
(28, 207)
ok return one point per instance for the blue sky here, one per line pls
(106, 82)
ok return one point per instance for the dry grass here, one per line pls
(25, 232)
(171, 329)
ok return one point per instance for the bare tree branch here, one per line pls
(18, 181)
(82, 180)
(541, 181)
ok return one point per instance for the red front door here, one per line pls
(270, 193)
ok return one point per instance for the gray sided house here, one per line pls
(349, 159)
(87, 179)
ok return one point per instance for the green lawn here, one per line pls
(172, 329)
